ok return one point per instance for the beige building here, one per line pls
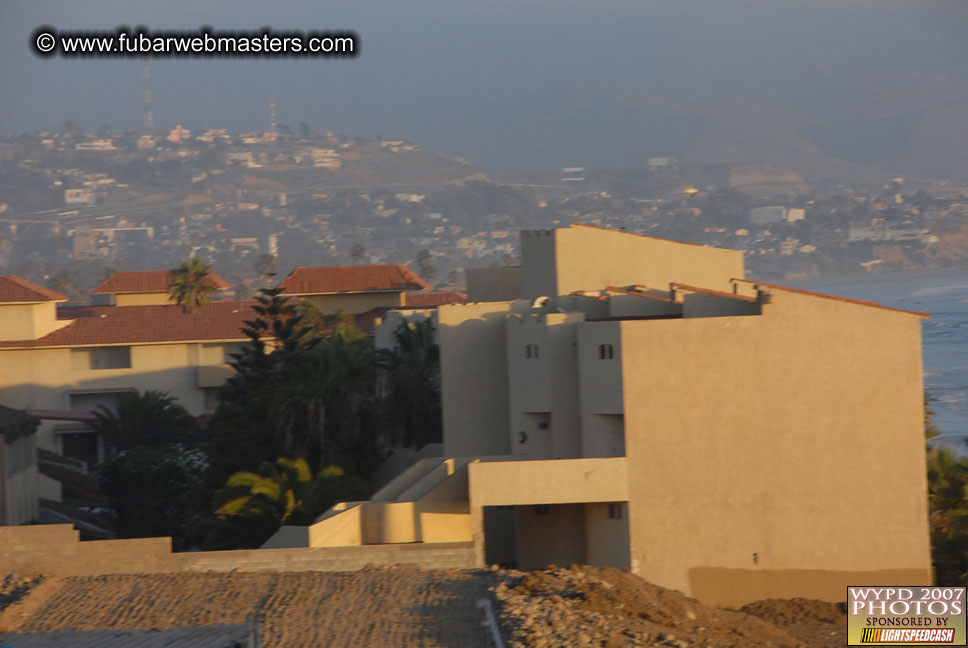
(646, 407)
(62, 363)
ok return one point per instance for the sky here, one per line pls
(826, 87)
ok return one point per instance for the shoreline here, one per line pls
(885, 277)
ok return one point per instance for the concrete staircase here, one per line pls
(426, 503)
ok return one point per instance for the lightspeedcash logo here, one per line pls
(922, 616)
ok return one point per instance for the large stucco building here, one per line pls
(644, 406)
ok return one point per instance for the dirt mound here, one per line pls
(591, 606)
(13, 588)
(797, 610)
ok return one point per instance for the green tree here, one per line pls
(266, 265)
(150, 418)
(152, 490)
(412, 373)
(426, 266)
(192, 285)
(947, 506)
(254, 504)
(358, 253)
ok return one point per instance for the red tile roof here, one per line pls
(14, 290)
(146, 281)
(760, 284)
(343, 279)
(433, 299)
(107, 325)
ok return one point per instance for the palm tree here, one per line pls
(287, 492)
(151, 418)
(412, 374)
(192, 285)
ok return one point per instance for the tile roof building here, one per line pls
(354, 289)
(145, 287)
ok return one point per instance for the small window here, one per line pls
(542, 509)
(615, 511)
(606, 352)
(531, 351)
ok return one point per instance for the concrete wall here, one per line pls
(54, 550)
(493, 284)
(543, 391)
(762, 444)
(563, 481)
(474, 374)
(538, 264)
(601, 397)
(607, 538)
(551, 535)
(560, 261)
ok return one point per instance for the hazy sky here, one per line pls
(534, 84)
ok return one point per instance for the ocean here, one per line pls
(945, 336)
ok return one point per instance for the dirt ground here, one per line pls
(591, 606)
(407, 606)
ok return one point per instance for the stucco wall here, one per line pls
(493, 284)
(556, 537)
(53, 550)
(143, 299)
(765, 445)
(557, 262)
(606, 538)
(473, 366)
(28, 321)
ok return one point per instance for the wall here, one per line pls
(28, 321)
(607, 539)
(557, 262)
(705, 305)
(601, 390)
(554, 538)
(758, 446)
(562, 481)
(54, 550)
(143, 299)
(493, 284)
(474, 374)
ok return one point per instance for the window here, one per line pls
(615, 510)
(606, 352)
(542, 509)
(111, 357)
(531, 351)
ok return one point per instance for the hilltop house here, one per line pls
(642, 405)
